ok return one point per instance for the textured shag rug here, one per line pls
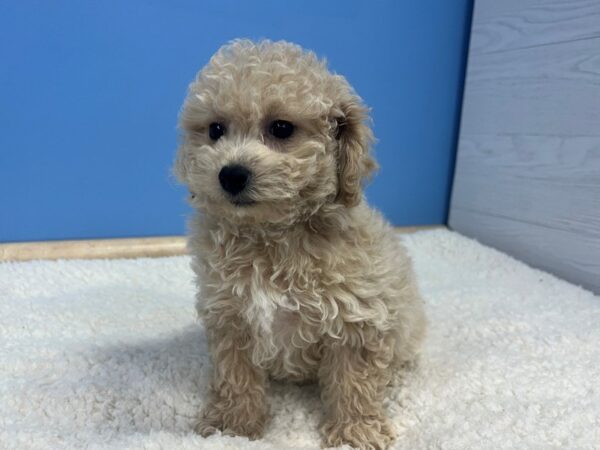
(108, 354)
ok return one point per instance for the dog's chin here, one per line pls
(238, 210)
(250, 211)
(247, 212)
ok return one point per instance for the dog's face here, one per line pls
(270, 136)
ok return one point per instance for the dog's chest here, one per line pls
(285, 328)
(270, 310)
(280, 294)
(279, 291)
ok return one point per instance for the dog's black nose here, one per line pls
(234, 178)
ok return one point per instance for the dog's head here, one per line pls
(269, 135)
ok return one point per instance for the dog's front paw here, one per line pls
(239, 419)
(365, 433)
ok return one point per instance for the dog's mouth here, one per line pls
(242, 202)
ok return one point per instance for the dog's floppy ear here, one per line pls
(354, 140)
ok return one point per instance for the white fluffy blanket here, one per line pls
(108, 354)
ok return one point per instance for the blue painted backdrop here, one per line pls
(90, 91)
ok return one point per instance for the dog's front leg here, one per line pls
(352, 381)
(237, 403)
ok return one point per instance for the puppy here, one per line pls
(299, 279)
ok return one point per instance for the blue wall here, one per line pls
(90, 91)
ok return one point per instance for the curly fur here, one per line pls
(307, 283)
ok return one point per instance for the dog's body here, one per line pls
(299, 279)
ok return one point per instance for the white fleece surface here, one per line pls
(108, 354)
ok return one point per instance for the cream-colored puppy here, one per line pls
(299, 279)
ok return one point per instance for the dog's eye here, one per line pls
(216, 130)
(281, 129)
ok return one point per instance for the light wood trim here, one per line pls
(419, 228)
(94, 248)
(149, 247)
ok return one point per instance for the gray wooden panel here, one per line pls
(554, 88)
(536, 197)
(514, 24)
(527, 177)
(488, 10)
(550, 249)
